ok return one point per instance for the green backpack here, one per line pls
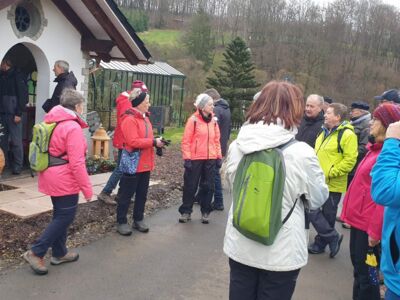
(258, 194)
(39, 156)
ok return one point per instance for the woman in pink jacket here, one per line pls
(360, 211)
(201, 151)
(62, 182)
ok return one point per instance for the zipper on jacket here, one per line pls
(329, 173)
(208, 141)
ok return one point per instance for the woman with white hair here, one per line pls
(201, 152)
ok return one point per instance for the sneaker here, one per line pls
(124, 229)
(69, 257)
(334, 246)
(140, 226)
(184, 218)
(37, 263)
(205, 218)
(316, 249)
(106, 198)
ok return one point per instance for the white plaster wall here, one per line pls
(59, 40)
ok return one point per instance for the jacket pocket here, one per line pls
(394, 250)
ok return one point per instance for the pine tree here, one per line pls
(235, 79)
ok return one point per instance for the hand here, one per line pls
(372, 242)
(17, 119)
(218, 163)
(187, 164)
(159, 143)
(393, 131)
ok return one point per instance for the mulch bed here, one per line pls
(94, 219)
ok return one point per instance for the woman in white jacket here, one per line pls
(270, 272)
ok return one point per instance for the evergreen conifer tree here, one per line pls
(235, 78)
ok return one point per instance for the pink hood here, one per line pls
(69, 142)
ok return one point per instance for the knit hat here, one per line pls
(387, 113)
(202, 100)
(139, 99)
(139, 84)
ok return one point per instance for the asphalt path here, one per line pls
(172, 261)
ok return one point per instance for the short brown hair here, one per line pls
(340, 109)
(278, 100)
(213, 93)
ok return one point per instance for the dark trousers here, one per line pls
(201, 171)
(324, 219)
(362, 289)
(137, 184)
(12, 136)
(218, 196)
(256, 284)
(55, 234)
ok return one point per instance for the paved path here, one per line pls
(173, 261)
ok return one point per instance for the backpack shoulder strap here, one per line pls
(287, 144)
(339, 139)
(303, 198)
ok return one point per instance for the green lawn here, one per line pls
(169, 38)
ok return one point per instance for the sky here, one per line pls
(395, 3)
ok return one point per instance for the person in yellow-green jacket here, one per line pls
(336, 149)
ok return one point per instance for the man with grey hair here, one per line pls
(64, 79)
(311, 124)
(223, 114)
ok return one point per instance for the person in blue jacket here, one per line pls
(385, 190)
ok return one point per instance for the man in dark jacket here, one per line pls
(312, 121)
(64, 79)
(223, 114)
(360, 118)
(13, 100)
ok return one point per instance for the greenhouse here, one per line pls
(165, 84)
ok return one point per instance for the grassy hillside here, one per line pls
(169, 38)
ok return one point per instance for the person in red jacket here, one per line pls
(137, 136)
(123, 104)
(360, 211)
(201, 152)
(62, 182)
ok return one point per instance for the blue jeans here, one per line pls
(114, 178)
(55, 234)
(218, 197)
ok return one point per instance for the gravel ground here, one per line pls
(94, 219)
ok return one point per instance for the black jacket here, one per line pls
(223, 113)
(361, 129)
(310, 128)
(64, 80)
(13, 92)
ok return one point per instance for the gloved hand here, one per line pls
(218, 163)
(187, 164)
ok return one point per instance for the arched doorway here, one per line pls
(32, 62)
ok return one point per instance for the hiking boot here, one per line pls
(37, 263)
(106, 198)
(205, 218)
(184, 218)
(316, 249)
(140, 226)
(219, 207)
(124, 229)
(334, 246)
(69, 257)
